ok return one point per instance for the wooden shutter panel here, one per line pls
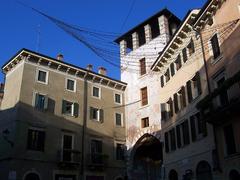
(170, 107)
(183, 96)
(63, 106)
(198, 78)
(166, 143)
(162, 81)
(184, 52)
(163, 111)
(193, 128)
(193, 46)
(36, 99)
(175, 98)
(189, 91)
(91, 112)
(142, 66)
(45, 102)
(76, 109)
(179, 143)
(215, 46)
(101, 115)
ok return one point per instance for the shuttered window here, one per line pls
(193, 128)
(41, 102)
(70, 108)
(145, 122)
(144, 96)
(96, 114)
(215, 46)
(172, 68)
(36, 140)
(162, 81)
(191, 48)
(178, 63)
(184, 53)
(185, 129)
(170, 102)
(166, 142)
(167, 75)
(175, 98)
(172, 139)
(189, 91)
(142, 66)
(179, 137)
(183, 97)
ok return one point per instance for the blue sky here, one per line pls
(20, 25)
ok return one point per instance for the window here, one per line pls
(181, 98)
(194, 88)
(198, 127)
(215, 46)
(142, 66)
(172, 68)
(41, 102)
(145, 122)
(96, 92)
(176, 102)
(167, 75)
(67, 146)
(96, 152)
(70, 108)
(71, 85)
(191, 48)
(120, 151)
(42, 76)
(166, 142)
(184, 53)
(144, 96)
(167, 110)
(36, 140)
(162, 81)
(185, 130)
(118, 98)
(96, 114)
(118, 119)
(178, 63)
(229, 139)
(172, 139)
(179, 136)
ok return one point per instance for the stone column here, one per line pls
(123, 48)
(164, 28)
(135, 40)
(148, 33)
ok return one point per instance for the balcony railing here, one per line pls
(97, 161)
(69, 157)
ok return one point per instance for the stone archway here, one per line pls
(173, 175)
(203, 171)
(32, 176)
(146, 158)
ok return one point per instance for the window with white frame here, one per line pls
(42, 76)
(118, 119)
(71, 85)
(41, 101)
(70, 108)
(96, 92)
(96, 114)
(118, 98)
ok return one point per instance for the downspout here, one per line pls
(216, 154)
(85, 107)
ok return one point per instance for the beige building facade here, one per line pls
(60, 121)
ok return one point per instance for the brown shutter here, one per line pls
(189, 91)
(142, 66)
(198, 79)
(175, 98)
(184, 52)
(144, 96)
(183, 96)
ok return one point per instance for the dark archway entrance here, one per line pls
(147, 158)
(32, 176)
(173, 175)
(204, 171)
(234, 175)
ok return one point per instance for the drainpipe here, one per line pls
(209, 92)
(85, 107)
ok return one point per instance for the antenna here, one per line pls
(38, 37)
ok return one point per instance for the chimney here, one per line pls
(102, 71)
(90, 67)
(60, 57)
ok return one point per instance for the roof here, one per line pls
(189, 14)
(164, 11)
(202, 10)
(24, 50)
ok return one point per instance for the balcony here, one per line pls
(97, 161)
(69, 158)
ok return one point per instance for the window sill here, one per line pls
(214, 61)
(73, 91)
(41, 82)
(95, 97)
(142, 76)
(145, 106)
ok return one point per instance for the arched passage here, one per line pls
(203, 171)
(147, 158)
(32, 176)
(173, 175)
(234, 175)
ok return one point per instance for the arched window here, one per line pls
(173, 175)
(204, 171)
(32, 176)
(234, 175)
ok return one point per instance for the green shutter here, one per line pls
(76, 109)
(63, 106)
(101, 115)
(45, 102)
